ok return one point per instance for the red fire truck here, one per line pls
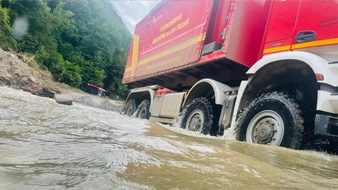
(261, 71)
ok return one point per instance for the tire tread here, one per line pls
(196, 102)
(282, 96)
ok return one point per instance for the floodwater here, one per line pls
(44, 145)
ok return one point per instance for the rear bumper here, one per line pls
(326, 126)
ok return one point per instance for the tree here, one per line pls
(6, 41)
(79, 42)
(101, 37)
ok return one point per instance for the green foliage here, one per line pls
(101, 38)
(79, 42)
(6, 41)
(69, 73)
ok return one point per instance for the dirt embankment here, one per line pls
(21, 72)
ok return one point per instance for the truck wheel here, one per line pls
(130, 108)
(272, 119)
(143, 110)
(197, 116)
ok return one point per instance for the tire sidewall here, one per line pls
(204, 106)
(143, 107)
(131, 105)
(282, 108)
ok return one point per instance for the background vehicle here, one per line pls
(258, 71)
(96, 90)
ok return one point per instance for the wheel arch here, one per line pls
(283, 68)
(315, 62)
(294, 73)
(207, 88)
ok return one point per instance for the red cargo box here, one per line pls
(171, 38)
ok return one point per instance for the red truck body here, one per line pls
(172, 36)
(266, 70)
(289, 18)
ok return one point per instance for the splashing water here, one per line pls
(44, 145)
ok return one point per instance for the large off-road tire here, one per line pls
(130, 108)
(272, 119)
(143, 110)
(197, 116)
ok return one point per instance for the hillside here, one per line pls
(78, 42)
(23, 73)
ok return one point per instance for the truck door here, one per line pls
(317, 24)
(281, 26)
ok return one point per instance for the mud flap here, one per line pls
(227, 111)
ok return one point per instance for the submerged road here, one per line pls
(44, 145)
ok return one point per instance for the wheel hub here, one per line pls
(267, 127)
(195, 121)
(263, 132)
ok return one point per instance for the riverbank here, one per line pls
(23, 73)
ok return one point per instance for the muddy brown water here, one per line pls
(44, 145)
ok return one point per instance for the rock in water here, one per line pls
(63, 99)
(45, 92)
